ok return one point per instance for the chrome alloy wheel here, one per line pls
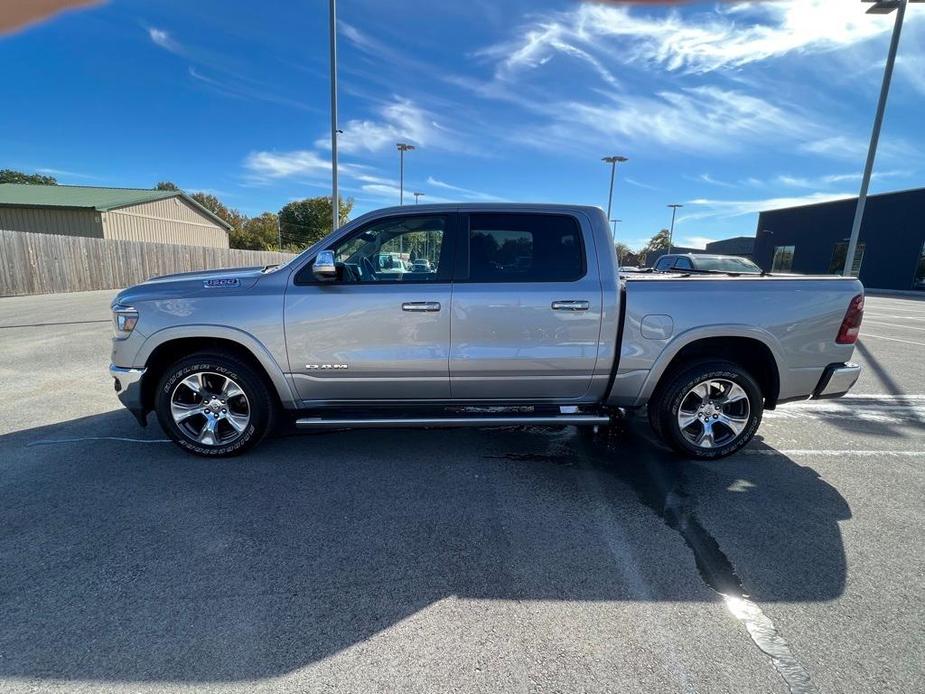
(210, 408)
(713, 413)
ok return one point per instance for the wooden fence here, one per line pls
(45, 263)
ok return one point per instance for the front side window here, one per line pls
(525, 248)
(397, 249)
(783, 259)
(683, 264)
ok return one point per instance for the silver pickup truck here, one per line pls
(481, 315)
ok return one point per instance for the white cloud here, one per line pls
(401, 121)
(537, 47)
(697, 119)
(724, 209)
(698, 43)
(820, 181)
(162, 38)
(639, 184)
(466, 192)
(275, 165)
(707, 178)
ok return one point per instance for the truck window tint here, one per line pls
(664, 263)
(398, 249)
(524, 248)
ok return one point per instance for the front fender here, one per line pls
(222, 332)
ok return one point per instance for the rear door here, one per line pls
(527, 303)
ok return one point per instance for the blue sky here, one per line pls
(727, 108)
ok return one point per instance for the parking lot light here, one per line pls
(674, 209)
(613, 170)
(402, 148)
(879, 7)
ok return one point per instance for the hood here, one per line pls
(190, 284)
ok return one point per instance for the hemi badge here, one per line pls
(223, 282)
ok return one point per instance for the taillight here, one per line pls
(851, 324)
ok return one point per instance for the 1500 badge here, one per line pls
(222, 282)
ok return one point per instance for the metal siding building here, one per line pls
(153, 216)
(737, 245)
(812, 236)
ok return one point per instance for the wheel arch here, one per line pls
(752, 349)
(167, 346)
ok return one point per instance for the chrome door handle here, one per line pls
(421, 306)
(570, 305)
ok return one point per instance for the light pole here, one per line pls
(335, 207)
(613, 226)
(402, 148)
(880, 7)
(674, 208)
(613, 170)
(416, 196)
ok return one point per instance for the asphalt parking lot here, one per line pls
(424, 561)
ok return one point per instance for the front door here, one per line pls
(526, 308)
(381, 330)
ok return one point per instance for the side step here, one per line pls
(424, 422)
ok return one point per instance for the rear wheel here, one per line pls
(708, 410)
(213, 405)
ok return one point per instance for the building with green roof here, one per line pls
(131, 214)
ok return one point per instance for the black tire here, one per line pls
(675, 391)
(257, 402)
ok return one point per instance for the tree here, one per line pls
(659, 242)
(623, 252)
(216, 207)
(257, 234)
(11, 176)
(303, 222)
(166, 185)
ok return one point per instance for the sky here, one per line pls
(726, 108)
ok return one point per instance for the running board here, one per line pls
(423, 422)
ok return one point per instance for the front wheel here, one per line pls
(709, 410)
(213, 405)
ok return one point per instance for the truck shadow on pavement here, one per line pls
(135, 562)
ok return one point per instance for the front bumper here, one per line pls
(837, 379)
(128, 388)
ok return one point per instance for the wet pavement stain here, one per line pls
(660, 483)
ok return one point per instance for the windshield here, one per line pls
(727, 264)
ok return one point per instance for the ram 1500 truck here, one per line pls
(498, 314)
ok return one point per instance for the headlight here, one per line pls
(124, 319)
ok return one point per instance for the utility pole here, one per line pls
(613, 170)
(402, 148)
(674, 208)
(416, 196)
(335, 204)
(880, 7)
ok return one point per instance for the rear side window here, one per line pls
(664, 263)
(525, 248)
(683, 264)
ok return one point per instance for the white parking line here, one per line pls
(893, 325)
(893, 315)
(893, 339)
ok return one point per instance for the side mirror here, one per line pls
(324, 268)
